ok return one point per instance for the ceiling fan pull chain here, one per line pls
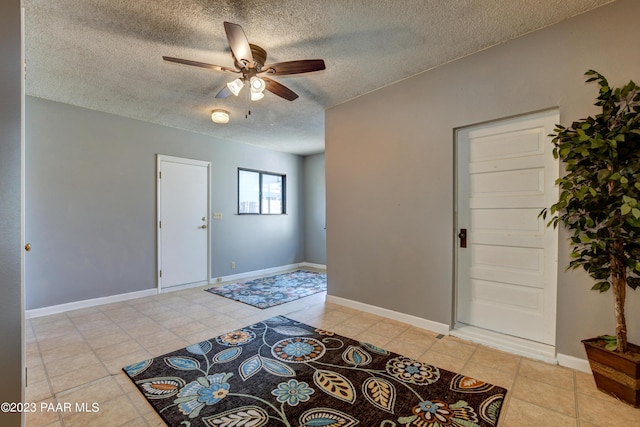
(246, 101)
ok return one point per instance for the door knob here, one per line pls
(203, 226)
(27, 247)
(463, 237)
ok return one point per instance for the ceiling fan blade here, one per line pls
(200, 64)
(279, 89)
(295, 67)
(238, 43)
(224, 92)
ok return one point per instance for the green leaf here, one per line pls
(625, 209)
(601, 286)
(407, 420)
(636, 213)
(603, 174)
(611, 342)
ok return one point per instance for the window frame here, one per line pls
(260, 173)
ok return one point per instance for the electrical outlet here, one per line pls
(233, 265)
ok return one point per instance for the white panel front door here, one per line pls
(506, 276)
(183, 212)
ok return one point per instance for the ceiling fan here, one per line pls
(249, 61)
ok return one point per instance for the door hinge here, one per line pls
(160, 175)
(160, 224)
(160, 273)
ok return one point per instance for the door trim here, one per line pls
(517, 345)
(164, 158)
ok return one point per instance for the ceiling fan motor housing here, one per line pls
(259, 57)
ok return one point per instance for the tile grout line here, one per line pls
(577, 400)
(109, 375)
(509, 392)
(53, 396)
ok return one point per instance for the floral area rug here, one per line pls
(274, 290)
(280, 372)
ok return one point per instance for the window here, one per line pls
(261, 192)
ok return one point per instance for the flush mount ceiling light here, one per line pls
(220, 116)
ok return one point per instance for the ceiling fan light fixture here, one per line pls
(257, 84)
(220, 116)
(235, 86)
(256, 96)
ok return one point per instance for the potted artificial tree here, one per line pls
(599, 205)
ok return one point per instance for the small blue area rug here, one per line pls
(280, 372)
(274, 290)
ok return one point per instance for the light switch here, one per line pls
(217, 215)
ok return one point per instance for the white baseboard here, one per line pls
(76, 305)
(574, 363)
(312, 265)
(419, 322)
(263, 272)
(183, 287)
(533, 350)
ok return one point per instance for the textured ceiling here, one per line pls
(106, 55)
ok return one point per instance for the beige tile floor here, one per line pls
(76, 358)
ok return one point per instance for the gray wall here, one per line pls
(91, 203)
(11, 307)
(315, 241)
(390, 218)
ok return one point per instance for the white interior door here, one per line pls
(183, 212)
(506, 275)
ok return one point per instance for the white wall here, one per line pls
(390, 166)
